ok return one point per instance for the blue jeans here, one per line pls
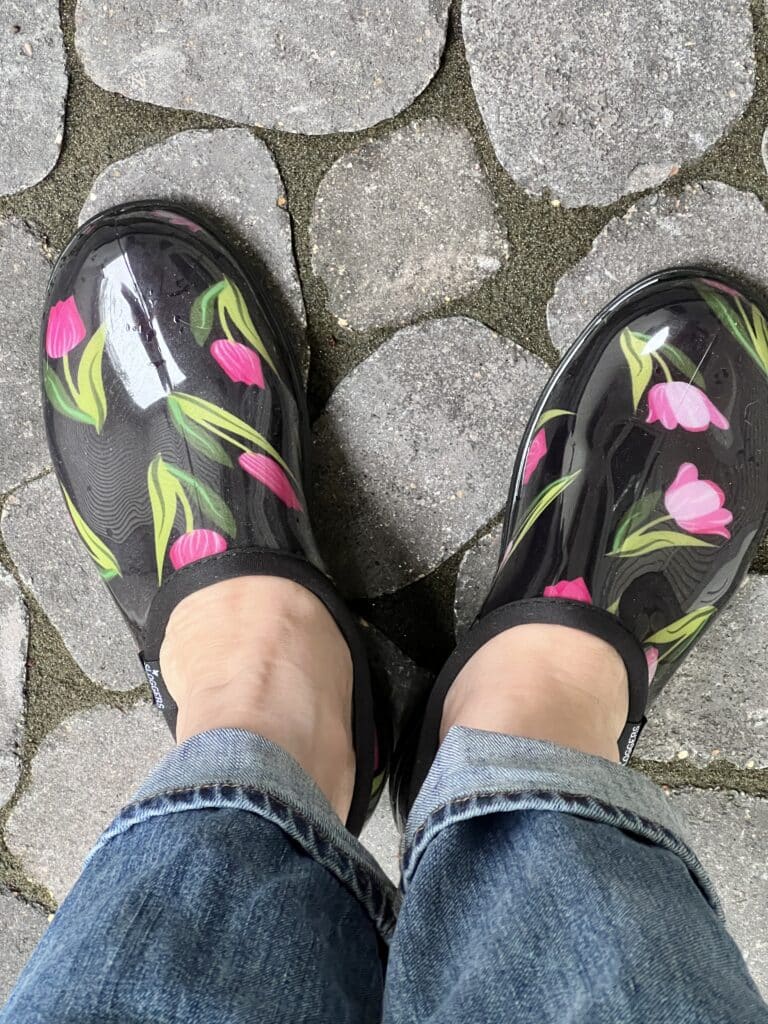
(540, 885)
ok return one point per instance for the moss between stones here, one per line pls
(546, 240)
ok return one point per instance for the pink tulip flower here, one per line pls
(240, 363)
(267, 472)
(652, 658)
(196, 544)
(573, 590)
(697, 506)
(65, 328)
(536, 453)
(678, 404)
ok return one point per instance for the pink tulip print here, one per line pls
(697, 506)
(536, 453)
(266, 471)
(191, 547)
(679, 404)
(572, 590)
(240, 363)
(652, 660)
(65, 328)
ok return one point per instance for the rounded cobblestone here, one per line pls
(311, 68)
(404, 225)
(414, 450)
(593, 101)
(14, 638)
(82, 774)
(33, 90)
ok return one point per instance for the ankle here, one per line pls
(544, 682)
(264, 654)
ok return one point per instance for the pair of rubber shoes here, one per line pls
(178, 429)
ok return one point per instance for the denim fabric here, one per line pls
(541, 885)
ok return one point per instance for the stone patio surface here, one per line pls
(441, 194)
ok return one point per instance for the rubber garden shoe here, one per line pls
(177, 426)
(639, 494)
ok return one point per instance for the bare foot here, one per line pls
(546, 683)
(264, 654)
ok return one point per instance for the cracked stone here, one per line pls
(33, 91)
(53, 563)
(715, 707)
(710, 225)
(231, 177)
(729, 833)
(22, 927)
(310, 68)
(593, 101)
(24, 273)
(474, 579)
(14, 637)
(414, 450)
(404, 225)
(82, 774)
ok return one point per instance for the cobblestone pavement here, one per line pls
(442, 197)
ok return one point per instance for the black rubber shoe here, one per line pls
(178, 429)
(639, 494)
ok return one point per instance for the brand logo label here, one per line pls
(153, 674)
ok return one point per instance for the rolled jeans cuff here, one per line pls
(477, 773)
(234, 768)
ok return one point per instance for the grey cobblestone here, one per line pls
(21, 927)
(14, 636)
(592, 101)
(24, 272)
(53, 563)
(83, 773)
(33, 89)
(414, 450)
(404, 225)
(299, 67)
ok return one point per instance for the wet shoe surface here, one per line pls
(642, 483)
(171, 382)
(639, 494)
(178, 430)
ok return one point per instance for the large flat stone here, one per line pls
(83, 773)
(404, 225)
(292, 65)
(716, 705)
(592, 101)
(33, 91)
(21, 927)
(53, 562)
(710, 225)
(230, 176)
(14, 636)
(414, 450)
(24, 273)
(729, 832)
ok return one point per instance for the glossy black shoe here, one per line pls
(639, 494)
(178, 429)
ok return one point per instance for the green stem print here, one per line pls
(232, 310)
(105, 561)
(678, 636)
(85, 400)
(536, 509)
(747, 326)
